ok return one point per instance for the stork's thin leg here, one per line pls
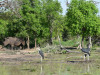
(87, 57)
(88, 68)
(41, 59)
(41, 73)
(84, 57)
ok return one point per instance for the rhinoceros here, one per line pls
(14, 42)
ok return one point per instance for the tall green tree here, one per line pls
(3, 28)
(4, 20)
(82, 18)
(30, 11)
(51, 10)
(26, 22)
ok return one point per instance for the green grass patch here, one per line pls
(69, 43)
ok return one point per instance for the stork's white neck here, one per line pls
(38, 49)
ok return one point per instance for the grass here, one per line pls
(56, 47)
(70, 43)
(55, 64)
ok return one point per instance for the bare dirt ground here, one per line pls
(18, 56)
(32, 55)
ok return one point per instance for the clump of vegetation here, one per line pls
(68, 69)
(51, 49)
(69, 43)
(63, 51)
(87, 73)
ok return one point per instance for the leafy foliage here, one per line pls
(42, 19)
(49, 16)
(82, 18)
(3, 28)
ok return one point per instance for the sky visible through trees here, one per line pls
(63, 4)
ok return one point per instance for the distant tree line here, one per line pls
(41, 21)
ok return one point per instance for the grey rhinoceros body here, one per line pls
(14, 42)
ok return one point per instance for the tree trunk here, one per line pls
(50, 37)
(90, 42)
(28, 42)
(59, 41)
(78, 37)
(35, 42)
(82, 42)
(78, 41)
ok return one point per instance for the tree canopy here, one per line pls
(82, 17)
(42, 20)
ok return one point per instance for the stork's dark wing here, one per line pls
(41, 53)
(86, 50)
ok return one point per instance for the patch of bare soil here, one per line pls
(18, 56)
